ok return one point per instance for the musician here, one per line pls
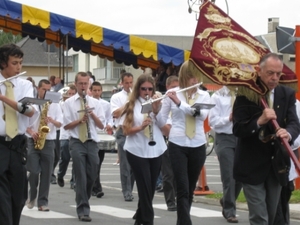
(117, 103)
(253, 157)
(83, 142)
(145, 160)
(64, 137)
(168, 180)
(40, 161)
(13, 180)
(186, 139)
(220, 120)
(96, 90)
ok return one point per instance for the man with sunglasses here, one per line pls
(117, 103)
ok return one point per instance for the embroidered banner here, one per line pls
(227, 54)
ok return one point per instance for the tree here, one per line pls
(9, 37)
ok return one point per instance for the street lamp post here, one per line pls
(194, 6)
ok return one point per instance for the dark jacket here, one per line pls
(252, 161)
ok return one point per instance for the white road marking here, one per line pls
(34, 213)
(195, 211)
(112, 211)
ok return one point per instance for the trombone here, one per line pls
(150, 101)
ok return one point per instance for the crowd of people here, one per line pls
(168, 139)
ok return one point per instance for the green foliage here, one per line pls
(6, 38)
(295, 198)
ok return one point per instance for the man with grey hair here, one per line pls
(254, 166)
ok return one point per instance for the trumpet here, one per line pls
(150, 101)
(151, 141)
(86, 110)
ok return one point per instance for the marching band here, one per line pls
(85, 121)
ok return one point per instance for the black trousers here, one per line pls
(146, 171)
(56, 152)
(13, 184)
(186, 163)
(97, 185)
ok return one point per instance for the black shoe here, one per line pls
(99, 194)
(160, 190)
(53, 181)
(172, 208)
(128, 198)
(85, 218)
(94, 193)
(60, 182)
(72, 185)
(158, 187)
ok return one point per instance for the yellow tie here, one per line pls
(11, 119)
(82, 126)
(190, 121)
(147, 129)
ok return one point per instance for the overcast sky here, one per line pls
(169, 17)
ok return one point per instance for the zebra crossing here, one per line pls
(112, 206)
(114, 212)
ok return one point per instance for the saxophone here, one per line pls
(43, 129)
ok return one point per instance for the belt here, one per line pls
(14, 143)
(45, 140)
(88, 140)
(7, 139)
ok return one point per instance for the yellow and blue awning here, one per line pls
(123, 48)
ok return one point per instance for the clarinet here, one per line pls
(86, 110)
(151, 141)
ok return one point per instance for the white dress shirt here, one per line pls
(137, 144)
(107, 112)
(54, 111)
(63, 134)
(22, 88)
(72, 105)
(218, 117)
(118, 100)
(177, 133)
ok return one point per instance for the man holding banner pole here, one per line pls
(256, 162)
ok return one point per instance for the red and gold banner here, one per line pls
(227, 54)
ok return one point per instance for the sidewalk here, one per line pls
(294, 208)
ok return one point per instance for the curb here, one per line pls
(294, 214)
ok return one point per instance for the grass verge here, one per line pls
(295, 198)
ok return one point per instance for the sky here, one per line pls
(169, 17)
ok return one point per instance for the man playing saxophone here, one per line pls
(78, 114)
(41, 143)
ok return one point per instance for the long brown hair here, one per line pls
(135, 94)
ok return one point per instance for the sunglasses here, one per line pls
(145, 88)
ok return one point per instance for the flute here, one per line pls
(150, 101)
(10, 78)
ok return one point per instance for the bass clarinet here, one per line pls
(151, 141)
(86, 111)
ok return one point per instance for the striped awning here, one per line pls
(68, 32)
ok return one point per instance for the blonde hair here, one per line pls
(135, 94)
(184, 75)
